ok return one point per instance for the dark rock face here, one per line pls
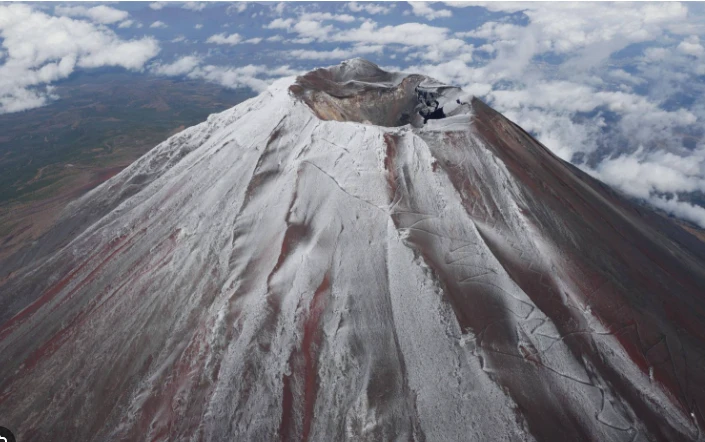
(284, 272)
(428, 105)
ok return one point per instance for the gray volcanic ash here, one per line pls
(355, 255)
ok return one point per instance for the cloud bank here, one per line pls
(255, 77)
(34, 60)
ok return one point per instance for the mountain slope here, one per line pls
(320, 263)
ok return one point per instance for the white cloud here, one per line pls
(586, 32)
(42, 49)
(407, 34)
(99, 14)
(223, 39)
(182, 66)
(280, 23)
(454, 47)
(304, 27)
(691, 46)
(194, 6)
(371, 8)
(301, 41)
(422, 9)
(23, 99)
(126, 24)
(312, 29)
(241, 6)
(308, 54)
(238, 7)
(157, 5)
(198, 26)
(624, 76)
(256, 77)
(336, 54)
(128, 54)
(309, 25)
(656, 54)
(641, 174)
(279, 9)
(253, 41)
(345, 18)
(158, 25)
(680, 209)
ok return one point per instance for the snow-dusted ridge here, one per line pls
(317, 263)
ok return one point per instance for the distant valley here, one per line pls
(100, 123)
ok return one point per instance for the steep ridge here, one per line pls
(355, 255)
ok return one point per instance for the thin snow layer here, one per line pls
(269, 275)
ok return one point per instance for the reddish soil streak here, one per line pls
(56, 288)
(159, 410)
(391, 142)
(304, 363)
(98, 268)
(311, 342)
(57, 340)
(62, 283)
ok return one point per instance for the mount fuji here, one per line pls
(355, 255)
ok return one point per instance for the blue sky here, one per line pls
(616, 88)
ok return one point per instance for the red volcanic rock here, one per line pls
(357, 255)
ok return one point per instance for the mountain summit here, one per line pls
(355, 255)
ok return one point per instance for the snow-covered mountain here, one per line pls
(355, 255)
